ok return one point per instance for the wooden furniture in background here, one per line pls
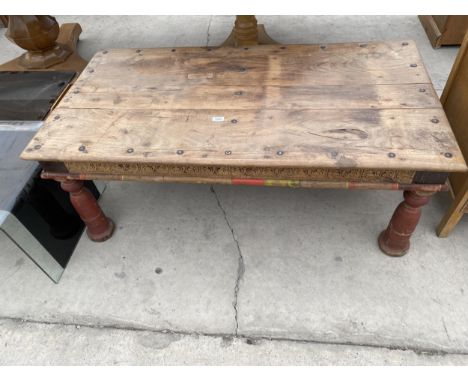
(48, 46)
(455, 102)
(355, 116)
(247, 32)
(3, 21)
(445, 30)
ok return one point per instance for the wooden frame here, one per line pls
(445, 30)
(455, 102)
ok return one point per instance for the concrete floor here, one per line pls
(249, 275)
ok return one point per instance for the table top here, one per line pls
(360, 106)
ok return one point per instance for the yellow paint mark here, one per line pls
(283, 183)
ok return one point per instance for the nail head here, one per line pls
(180, 152)
(234, 121)
(413, 65)
(434, 120)
(448, 155)
(279, 152)
(391, 155)
(130, 150)
(82, 148)
(228, 152)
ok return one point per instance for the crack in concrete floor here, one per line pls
(241, 266)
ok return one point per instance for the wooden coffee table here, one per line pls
(356, 116)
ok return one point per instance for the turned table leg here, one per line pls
(395, 240)
(246, 31)
(99, 226)
(48, 46)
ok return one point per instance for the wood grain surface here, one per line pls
(356, 106)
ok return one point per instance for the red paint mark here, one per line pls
(248, 182)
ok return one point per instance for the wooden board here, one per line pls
(455, 101)
(355, 106)
(445, 30)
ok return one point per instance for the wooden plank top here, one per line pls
(368, 106)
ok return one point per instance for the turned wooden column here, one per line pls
(47, 45)
(99, 226)
(246, 31)
(395, 240)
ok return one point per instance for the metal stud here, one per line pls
(434, 120)
(180, 152)
(82, 148)
(130, 150)
(279, 152)
(391, 155)
(448, 155)
(228, 152)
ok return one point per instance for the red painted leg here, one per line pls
(395, 240)
(99, 226)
